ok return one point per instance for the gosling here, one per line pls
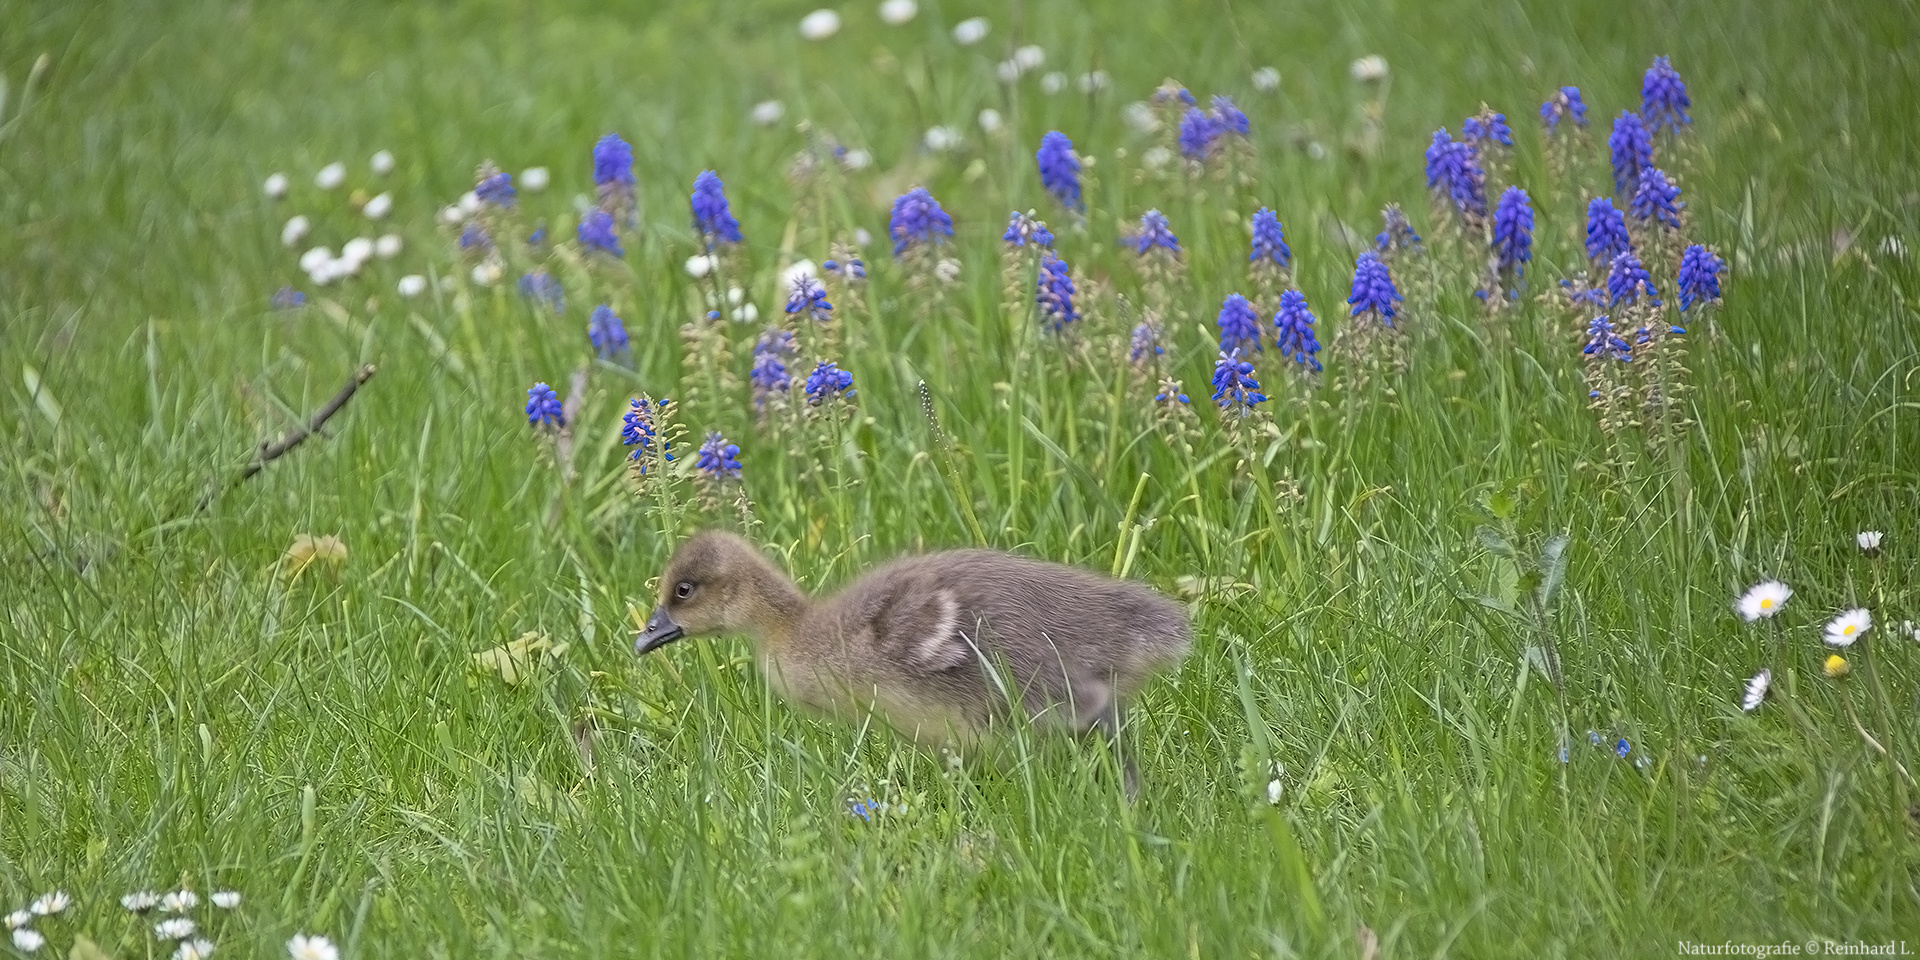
(940, 646)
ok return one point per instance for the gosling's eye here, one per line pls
(683, 590)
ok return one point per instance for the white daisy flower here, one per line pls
(195, 949)
(1140, 117)
(315, 257)
(382, 163)
(276, 186)
(27, 941)
(378, 207)
(325, 271)
(1053, 83)
(1095, 81)
(1370, 67)
(700, 265)
(51, 903)
(1756, 690)
(1849, 626)
(768, 112)
(856, 159)
(140, 901)
(1007, 71)
(173, 928)
(1030, 57)
(412, 285)
(941, 139)
(451, 214)
(1869, 541)
(990, 120)
(1156, 157)
(330, 176)
(1907, 627)
(747, 313)
(1266, 79)
(18, 919)
(486, 274)
(469, 203)
(179, 901)
(226, 899)
(535, 179)
(1763, 599)
(388, 246)
(861, 237)
(357, 251)
(971, 31)
(295, 230)
(820, 24)
(316, 947)
(1894, 247)
(798, 270)
(897, 12)
(1274, 789)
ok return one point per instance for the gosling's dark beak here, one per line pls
(659, 631)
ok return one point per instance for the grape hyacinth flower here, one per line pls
(828, 382)
(1023, 229)
(1396, 233)
(1653, 199)
(287, 298)
(638, 430)
(1512, 234)
(917, 221)
(1060, 170)
(1293, 329)
(1239, 325)
(1234, 388)
(809, 299)
(543, 407)
(596, 234)
(712, 218)
(613, 176)
(1054, 293)
(496, 190)
(1480, 130)
(1627, 279)
(1197, 134)
(476, 238)
(768, 376)
(1154, 232)
(1663, 98)
(847, 268)
(1606, 232)
(1631, 148)
(1145, 346)
(1699, 276)
(1453, 171)
(1603, 342)
(543, 290)
(1564, 104)
(1373, 290)
(1269, 241)
(717, 458)
(607, 334)
(1228, 118)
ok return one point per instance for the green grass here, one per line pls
(173, 710)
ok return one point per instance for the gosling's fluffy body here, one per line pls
(940, 645)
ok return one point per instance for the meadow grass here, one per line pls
(176, 709)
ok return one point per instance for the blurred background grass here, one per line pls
(168, 700)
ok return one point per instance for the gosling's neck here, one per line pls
(777, 608)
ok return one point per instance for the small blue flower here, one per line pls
(712, 218)
(475, 237)
(1451, 167)
(606, 332)
(718, 458)
(1373, 289)
(496, 190)
(769, 373)
(1593, 737)
(1654, 199)
(613, 161)
(1197, 133)
(917, 220)
(1059, 169)
(1476, 133)
(1699, 276)
(1170, 392)
(1022, 229)
(596, 234)
(637, 429)
(1632, 150)
(1513, 232)
(540, 287)
(1239, 325)
(1565, 102)
(1626, 279)
(850, 268)
(1603, 341)
(1145, 344)
(1563, 753)
(1234, 388)
(828, 382)
(1154, 232)
(1663, 98)
(1606, 231)
(1269, 240)
(1293, 329)
(1622, 748)
(1396, 231)
(1227, 118)
(1054, 293)
(538, 237)
(287, 298)
(543, 407)
(809, 297)
(1169, 92)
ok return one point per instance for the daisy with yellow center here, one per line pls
(1849, 626)
(1763, 599)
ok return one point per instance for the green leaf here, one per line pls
(86, 949)
(1553, 569)
(1495, 543)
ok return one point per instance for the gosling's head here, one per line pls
(718, 583)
